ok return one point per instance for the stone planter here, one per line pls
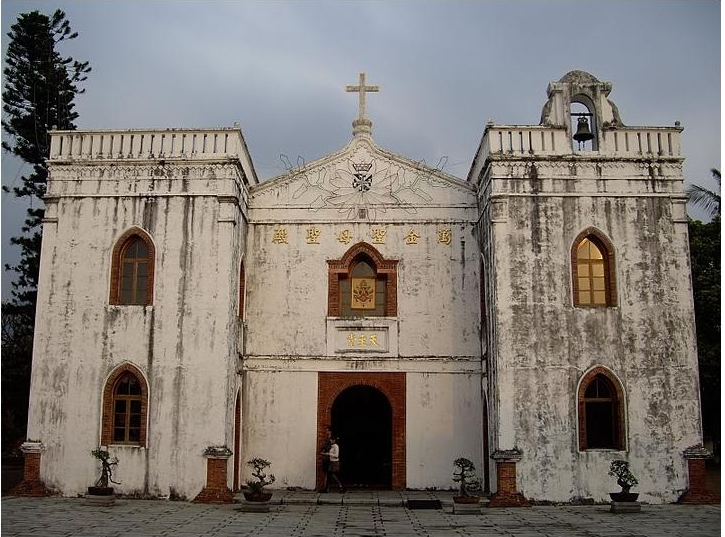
(624, 496)
(256, 502)
(100, 496)
(257, 496)
(624, 502)
(466, 505)
(466, 499)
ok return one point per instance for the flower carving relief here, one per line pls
(362, 186)
(313, 185)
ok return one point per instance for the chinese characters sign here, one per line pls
(362, 340)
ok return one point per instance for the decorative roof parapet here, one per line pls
(136, 145)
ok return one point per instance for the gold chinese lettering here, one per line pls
(373, 340)
(361, 341)
(345, 236)
(280, 236)
(351, 340)
(412, 237)
(313, 235)
(378, 235)
(444, 235)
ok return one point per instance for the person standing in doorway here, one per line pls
(325, 458)
(333, 467)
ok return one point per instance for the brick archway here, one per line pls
(392, 385)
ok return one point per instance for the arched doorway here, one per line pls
(362, 419)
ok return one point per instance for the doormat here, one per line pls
(423, 504)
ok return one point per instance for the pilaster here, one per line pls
(31, 485)
(506, 494)
(697, 492)
(216, 490)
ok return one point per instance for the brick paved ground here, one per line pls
(351, 515)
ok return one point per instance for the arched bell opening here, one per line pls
(583, 124)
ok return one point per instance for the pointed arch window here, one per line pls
(593, 271)
(132, 269)
(125, 407)
(601, 411)
(362, 284)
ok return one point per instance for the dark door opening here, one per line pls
(362, 420)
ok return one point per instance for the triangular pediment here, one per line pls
(362, 176)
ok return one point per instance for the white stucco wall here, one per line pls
(545, 344)
(444, 422)
(180, 343)
(280, 425)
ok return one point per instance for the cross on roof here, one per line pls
(361, 88)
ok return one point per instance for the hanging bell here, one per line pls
(583, 133)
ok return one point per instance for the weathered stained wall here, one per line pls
(181, 343)
(443, 423)
(545, 344)
(434, 338)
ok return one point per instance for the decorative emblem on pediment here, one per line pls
(362, 180)
(357, 186)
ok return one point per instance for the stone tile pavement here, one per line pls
(355, 514)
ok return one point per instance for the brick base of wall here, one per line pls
(31, 485)
(216, 490)
(697, 492)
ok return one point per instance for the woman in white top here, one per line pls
(333, 468)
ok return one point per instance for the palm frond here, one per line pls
(705, 199)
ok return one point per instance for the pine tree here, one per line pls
(38, 94)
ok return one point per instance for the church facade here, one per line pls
(535, 317)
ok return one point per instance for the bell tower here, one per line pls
(583, 234)
(579, 103)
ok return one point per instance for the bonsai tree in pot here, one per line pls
(625, 479)
(256, 488)
(101, 487)
(464, 475)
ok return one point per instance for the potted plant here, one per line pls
(465, 476)
(625, 479)
(101, 491)
(256, 488)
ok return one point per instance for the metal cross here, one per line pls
(361, 88)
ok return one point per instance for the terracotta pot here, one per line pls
(257, 496)
(466, 499)
(624, 496)
(100, 491)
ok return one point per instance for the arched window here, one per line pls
(127, 409)
(362, 293)
(132, 269)
(125, 406)
(362, 284)
(601, 411)
(593, 274)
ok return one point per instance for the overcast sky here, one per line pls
(279, 69)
